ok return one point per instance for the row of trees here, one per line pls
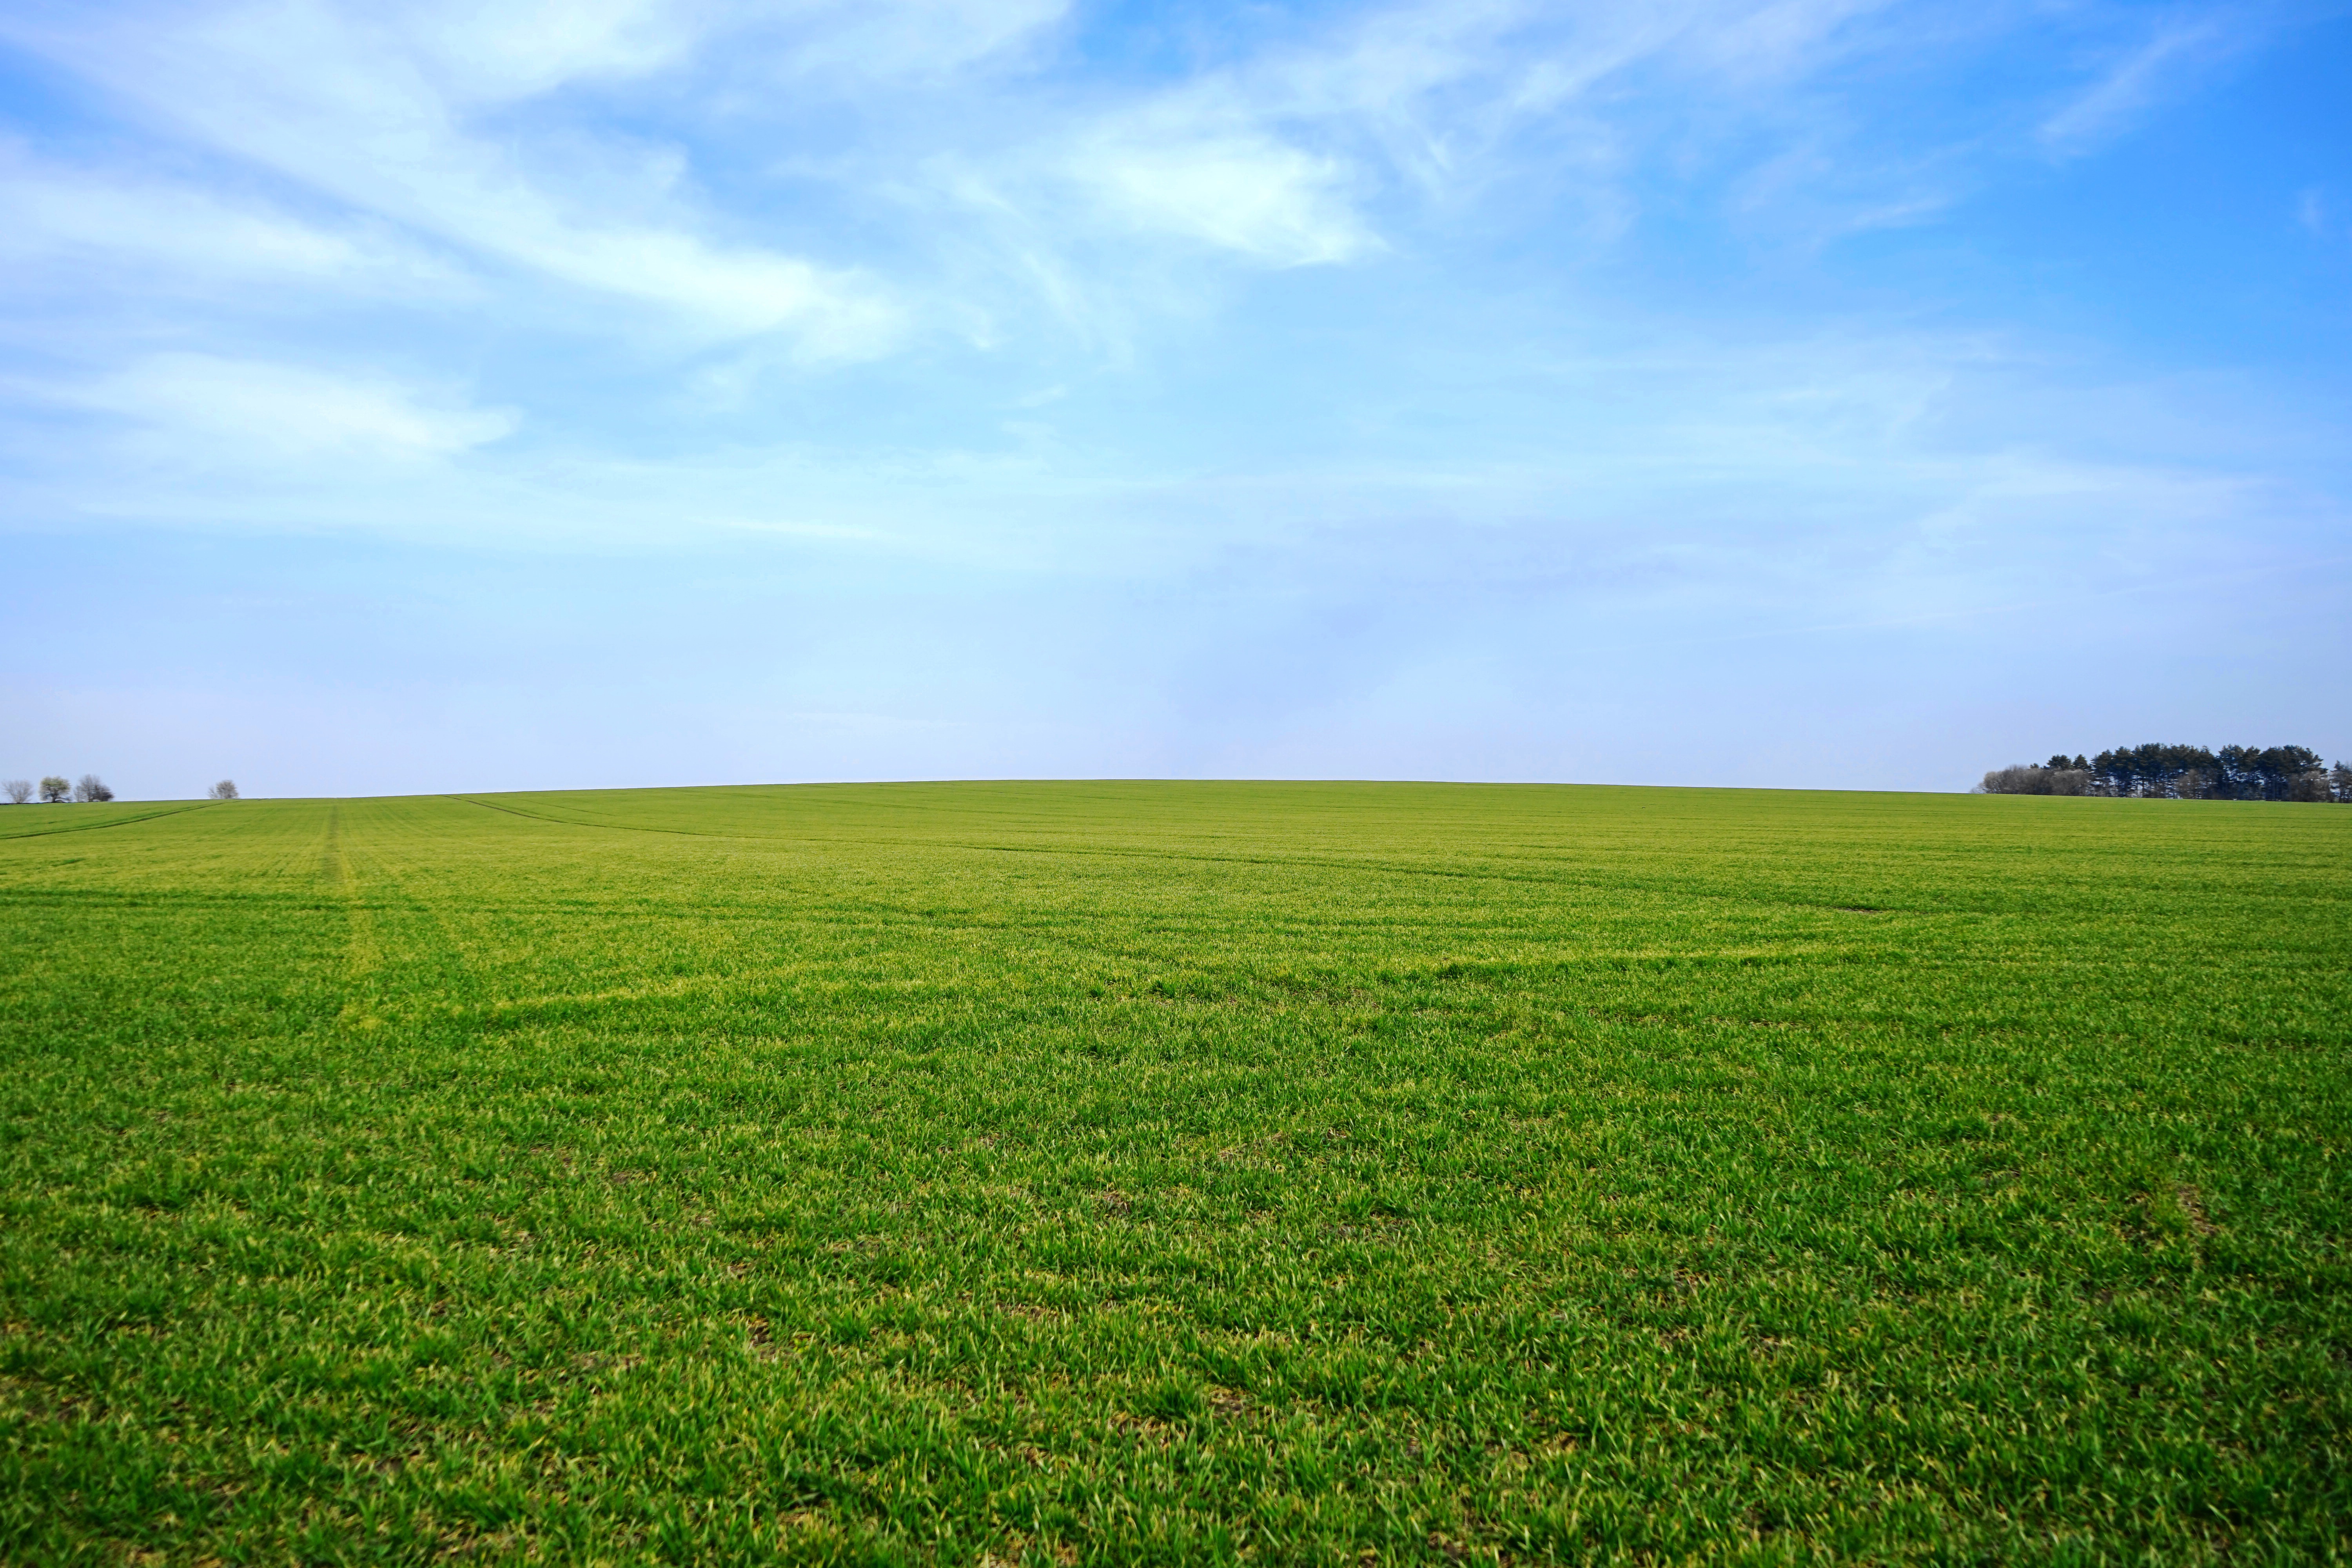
(55, 790)
(2182, 772)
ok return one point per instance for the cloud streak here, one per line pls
(68, 218)
(368, 122)
(205, 411)
(2165, 63)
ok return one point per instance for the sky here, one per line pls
(415, 395)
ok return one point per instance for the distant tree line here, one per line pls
(2182, 772)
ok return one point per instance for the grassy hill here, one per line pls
(1175, 1173)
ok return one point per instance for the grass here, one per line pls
(1056, 1173)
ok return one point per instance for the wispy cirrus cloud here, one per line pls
(1231, 186)
(1310, 150)
(2164, 62)
(469, 127)
(378, 117)
(66, 220)
(206, 411)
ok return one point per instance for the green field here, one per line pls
(1083, 1172)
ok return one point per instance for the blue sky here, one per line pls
(429, 397)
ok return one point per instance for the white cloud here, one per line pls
(1239, 190)
(354, 110)
(457, 120)
(184, 233)
(1779, 38)
(1271, 159)
(862, 40)
(198, 406)
(477, 53)
(527, 46)
(1282, 156)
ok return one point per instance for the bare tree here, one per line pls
(224, 790)
(19, 791)
(55, 790)
(91, 789)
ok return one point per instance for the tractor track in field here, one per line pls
(118, 822)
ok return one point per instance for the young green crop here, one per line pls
(1131, 1173)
